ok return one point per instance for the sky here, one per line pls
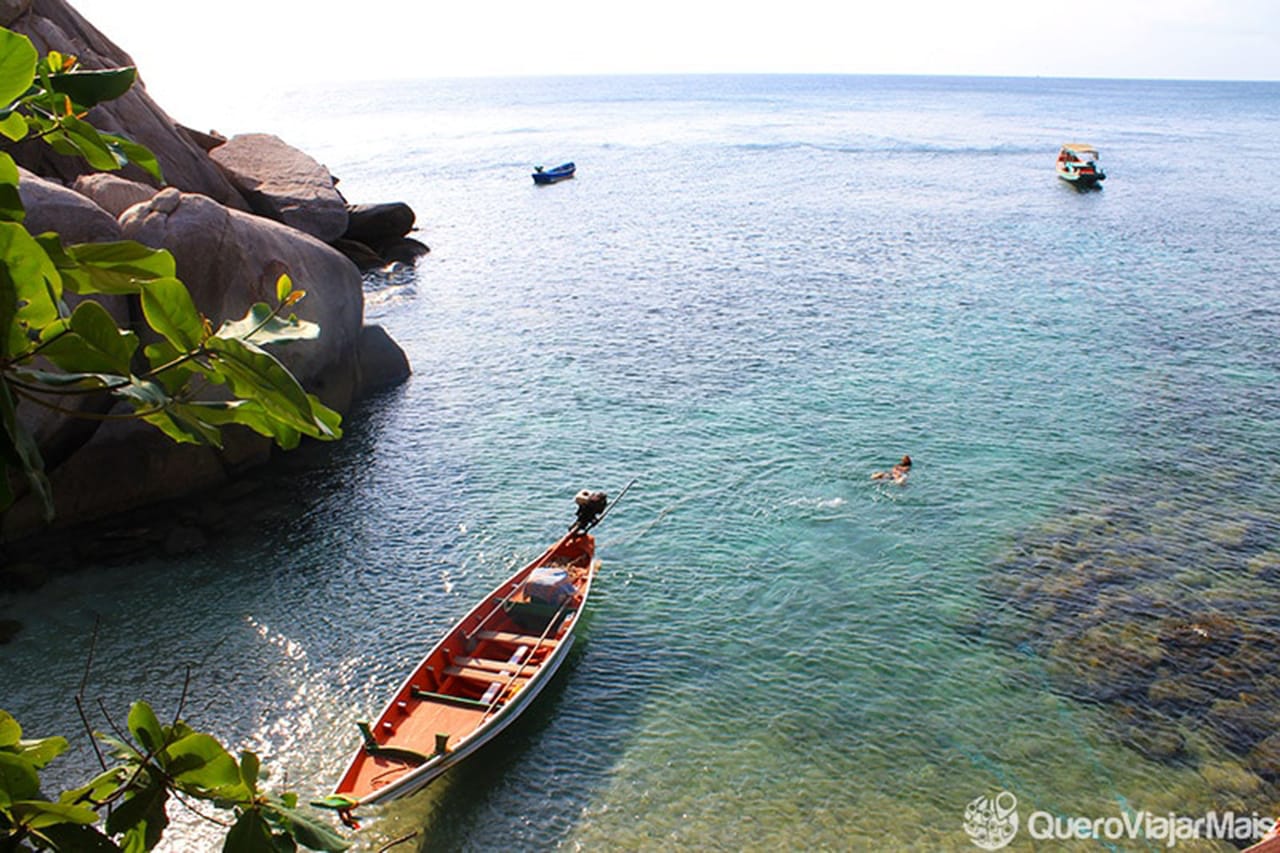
(179, 46)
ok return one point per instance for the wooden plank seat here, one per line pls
(512, 639)
(495, 665)
(484, 675)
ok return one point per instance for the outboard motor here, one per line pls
(590, 506)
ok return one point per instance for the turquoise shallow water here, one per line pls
(756, 292)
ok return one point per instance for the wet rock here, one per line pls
(378, 225)
(364, 257)
(404, 251)
(382, 362)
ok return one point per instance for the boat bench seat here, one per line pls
(513, 639)
(495, 665)
(484, 675)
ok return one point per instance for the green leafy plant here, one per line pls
(50, 353)
(124, 808)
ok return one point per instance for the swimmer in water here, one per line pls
(898, 473)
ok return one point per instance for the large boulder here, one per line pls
(111, 192)
(54, 25)
(129, 464)
(230, 260)
(52, 207)
(11, 10)
(284, 184)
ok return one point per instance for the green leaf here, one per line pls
(42, 750)
(119, 268)
(144, 726)
(174, 378)
(11, 209)
(284, 286)
(257, 375)
(141, 816)
(262, 328)
(13, 127)
(27, 274)
(100, 788)
(90, 88)
(10, 730)
(18, 59)
(167, 305)
(94, 344)
(142, 393)
(249, 766)
(248, 413)
(19, 447)
(330, 421)
(306, 830)
(68, 381)
(18, 779)
(252, 834)
(128, 151)
(81, 839)
(99, 330)
(178, 425)
(89, 144)
(39, 813)
(200, 765)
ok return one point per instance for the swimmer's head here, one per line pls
(906, 462)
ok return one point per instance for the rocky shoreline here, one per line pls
(235, 214)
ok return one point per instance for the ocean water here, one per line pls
(756, 292)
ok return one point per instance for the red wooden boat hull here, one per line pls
(473, 684)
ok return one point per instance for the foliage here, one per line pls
(153, 764)
(50, 353)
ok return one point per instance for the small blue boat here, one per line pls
(550, 176)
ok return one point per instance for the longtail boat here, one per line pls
(479, 677)
(550, 176)
(1078, 164)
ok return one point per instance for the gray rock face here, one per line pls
(52, 207)
(10, 10)
(284, 184)
(230, 260)
(54, 25)
(112, 193)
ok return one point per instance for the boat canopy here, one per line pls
(1080, 149)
